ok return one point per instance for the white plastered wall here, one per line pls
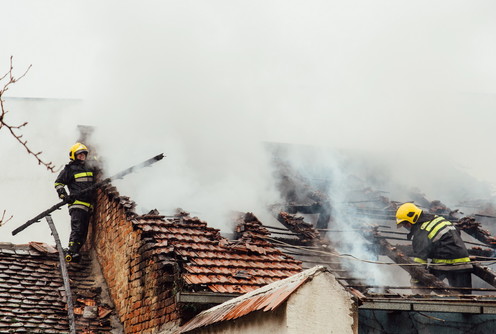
(321, 306)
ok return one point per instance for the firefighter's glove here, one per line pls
(65, 197)
(62, 193)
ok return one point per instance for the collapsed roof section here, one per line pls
(371, 219)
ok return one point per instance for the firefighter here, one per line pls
(435, 238)
(78, 176)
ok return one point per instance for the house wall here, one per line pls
(254, 323)
(143, 297)
(323, 306)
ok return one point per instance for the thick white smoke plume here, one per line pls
(359, 183)
(409, 84)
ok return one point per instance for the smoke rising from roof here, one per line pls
(207, 82)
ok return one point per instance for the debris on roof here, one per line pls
(306, 232)
(43, 247)
(471, 226)
(197, 259)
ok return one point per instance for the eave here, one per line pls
(204, 297)
(476, 306)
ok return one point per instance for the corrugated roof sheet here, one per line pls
(264, 299)
(213, 263)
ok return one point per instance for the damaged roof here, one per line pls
(210, 262)
(32, 295)
(369, 217)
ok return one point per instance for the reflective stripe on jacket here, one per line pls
(77, 176)
(440, 241)
(81, 205)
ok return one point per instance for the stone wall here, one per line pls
(140, 286)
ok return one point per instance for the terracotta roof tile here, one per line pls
(214, 263)
(32, 294)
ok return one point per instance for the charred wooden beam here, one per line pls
(481, 252)
(313, 208)
(485, 274)
(309, 236)
(472, 227)
(323, 209)
(289, 241)
(474, 251)
(305, 231)
(407, 250)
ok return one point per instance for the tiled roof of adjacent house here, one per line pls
(32, 296)
(266, 298)
(210, 262)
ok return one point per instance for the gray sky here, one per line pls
(205, 82)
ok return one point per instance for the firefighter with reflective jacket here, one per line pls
(437, 239)
(78, 176)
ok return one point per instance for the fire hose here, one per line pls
(119, 175)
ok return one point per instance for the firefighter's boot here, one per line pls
(72, 254)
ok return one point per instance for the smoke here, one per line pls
(28, 188)
(357, 183)
(205, 83)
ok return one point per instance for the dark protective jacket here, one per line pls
(440, 241)
(77, 176)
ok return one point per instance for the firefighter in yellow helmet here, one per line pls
(77, 176)
(437, 239)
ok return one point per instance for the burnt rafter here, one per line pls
(316, 250)
(322, 208)
(473, 228)
(475, 252)
(305, 232)
(302, 195)
(302, 198)
(485, 274)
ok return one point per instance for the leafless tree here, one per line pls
(7, 80)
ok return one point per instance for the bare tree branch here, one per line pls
(2, 220)
(15, 129)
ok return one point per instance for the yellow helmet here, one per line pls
(408, 212)
(76, 149)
